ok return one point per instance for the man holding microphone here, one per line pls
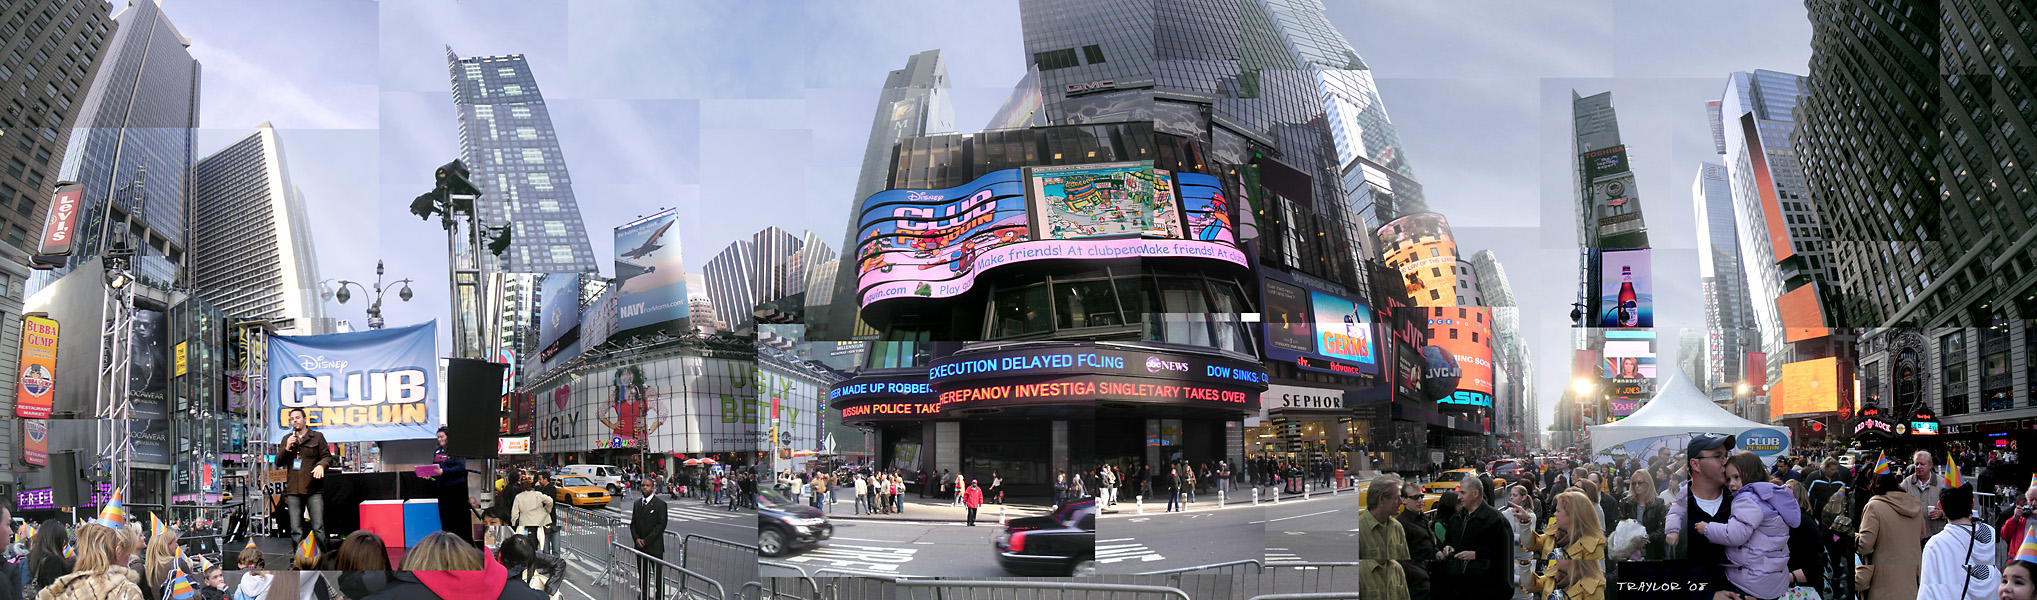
(305, 456)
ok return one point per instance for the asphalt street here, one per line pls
(589, 560)
(904, 548)
(1319, 530)
(1130, 543)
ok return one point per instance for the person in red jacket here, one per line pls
(2013, 529)
(973, 499)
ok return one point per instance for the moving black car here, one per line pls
(784, 525)
(1061, 543)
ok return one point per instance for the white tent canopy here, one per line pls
(1678, 410)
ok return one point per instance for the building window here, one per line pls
(1092, 53)
(1055, 59)
(1020, 311)
(16, 236)
(15, 167)
(562, 254)
(512, 90)
(533, 156)
(1453, 333)
(526, 133)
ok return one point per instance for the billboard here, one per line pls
(670, 405)
(35, 442)
(1466, 333)
(1421, 247)
(1807, 387)
(1802, 318)
(59, 229)
(1605, 161)
(933, 243)
(1206, 211)
(148, 368)
(1316, 325)
(559, 328)
(1104, 200)
(365, 386)
(35, 390)
(1624, 297)
(650, 274)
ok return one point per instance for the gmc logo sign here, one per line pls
(1093, 86)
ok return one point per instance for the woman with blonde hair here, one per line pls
(442, 553)
(1575, 532)
(101, 571)
(1571, 580)
(160, 558)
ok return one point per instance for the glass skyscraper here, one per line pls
(1729, 311)
(507, 141)
(134, 145)
(252, 253)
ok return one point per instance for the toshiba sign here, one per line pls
(60, 228)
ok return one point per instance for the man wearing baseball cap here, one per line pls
(1703, 499)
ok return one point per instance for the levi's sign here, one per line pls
(59, 229)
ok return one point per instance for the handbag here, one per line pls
(1802, 592)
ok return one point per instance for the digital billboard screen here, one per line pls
(1806, 387)
(560, 324)
(1605, 161)
(1421, 247)
(650, 273)
(934, 243)
(1317, 326)
(1108, 200)
(1624, 297)
(1466, 333)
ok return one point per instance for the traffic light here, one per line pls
(774, 436)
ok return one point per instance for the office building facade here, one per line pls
(55, 50)
(251, 253)
(1730, 332)
(133, 146)
(508, 143)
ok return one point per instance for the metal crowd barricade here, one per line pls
(729, 563)
(951, 589)
(779, 584)
(588, 535)
(679, 584)
(1315, 596)
(1219, 580)
(1301, 578)
(844, 584)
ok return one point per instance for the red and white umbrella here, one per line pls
(692, 462)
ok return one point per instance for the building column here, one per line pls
(947, 443)
(1059, 458)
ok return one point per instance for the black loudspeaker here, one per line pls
(64, 478)
(473, 407)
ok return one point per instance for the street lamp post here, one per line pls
(374, 308)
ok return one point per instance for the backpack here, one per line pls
(1834, 518)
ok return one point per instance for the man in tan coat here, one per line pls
(1890, 526)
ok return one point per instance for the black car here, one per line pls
(1062, 543)
(784, 525)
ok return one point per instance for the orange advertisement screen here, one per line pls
(1810, 386)
(1771, 208)
(1421, 247)
(1466, 332)
(1802, 318)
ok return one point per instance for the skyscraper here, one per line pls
(251, 246)
(914, 103)
(67, 42)
(1730, 332)
(1608, 210)
(731, 283)
(1929, 206)
(1782, 237)
(134, 144)
(507, 141)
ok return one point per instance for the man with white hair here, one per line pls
(1477, 556)
(1926, 485)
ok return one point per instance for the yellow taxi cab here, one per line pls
(579, 491)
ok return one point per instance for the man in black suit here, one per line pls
(647, 528)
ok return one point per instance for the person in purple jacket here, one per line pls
(1757, 538)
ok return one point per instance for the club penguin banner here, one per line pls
(366, 386)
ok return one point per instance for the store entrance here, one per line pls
(1021, 452)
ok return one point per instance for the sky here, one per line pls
(746, 115)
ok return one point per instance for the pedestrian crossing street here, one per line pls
(1281, 555)
(1124, 549)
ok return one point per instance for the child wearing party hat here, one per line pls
(104, 546)
(2014, 527)
(255, 584)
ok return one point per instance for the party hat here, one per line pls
(1952, 478)
(251, 544)
(308, 549)
(113, 515)
(70, 550)
(2029, 549)
(156, 527)
(180, 587)
(203, 564)
(1882, 466)
(2033, 480)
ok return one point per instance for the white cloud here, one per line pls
(240, 93)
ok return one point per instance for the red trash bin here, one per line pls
(1340, 478)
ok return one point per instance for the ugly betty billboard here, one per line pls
(365, 386)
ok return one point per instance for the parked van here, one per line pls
(602, 475)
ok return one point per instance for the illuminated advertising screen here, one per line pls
(650, 273)
(1421, 247)
(1317, 326)
(559, 327)
(1466, 333)
(934, 243)
(1106, 200)
(1627, 365)
(1605, 161)
(1624, 298)
(1206, 211)
(1806, 387)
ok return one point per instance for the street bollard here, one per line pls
(1255, 495)
(1305, 487)
(1276, 495)
(1141, 502)
(1000, 512)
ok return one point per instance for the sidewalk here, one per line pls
(940, 511)
(1206, 501)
